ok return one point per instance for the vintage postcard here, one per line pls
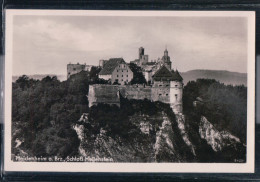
(129, 91)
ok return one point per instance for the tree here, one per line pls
(225, 106)
(93, 74)
(138, 77)
(44, 111)
(116, 82)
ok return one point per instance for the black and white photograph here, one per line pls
(129, 91)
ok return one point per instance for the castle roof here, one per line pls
(110, 65)
(151, 63)
(164, 74)
(176, 76)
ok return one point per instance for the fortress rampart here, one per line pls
(166, 92)
(138, 92)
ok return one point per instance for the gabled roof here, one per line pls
(110, 65)
(164, 74)
(176, 76)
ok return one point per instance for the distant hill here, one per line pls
(39, 77)
(226, 77)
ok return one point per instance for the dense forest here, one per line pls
(44, 111)
(225, 106)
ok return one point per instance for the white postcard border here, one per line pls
(247, 167)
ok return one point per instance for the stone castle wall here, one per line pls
(138, 92)
(161, 91)
(109, 94)
(103, 94)
(73, 69)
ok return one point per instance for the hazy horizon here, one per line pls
(46, 44)
(179, 71)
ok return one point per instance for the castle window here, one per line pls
(166, 85)
(176, 85)
(176, 96)
(126, 75)
(122, 80)
(127, 70)
(160, 94)
(166, 94)
(160, 85)
(74, 69)
(122, 75)
(122, 70)
(117, 75)
(117, 70)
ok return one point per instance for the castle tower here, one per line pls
(166, 53)
(166, 60)
(176, 89)
(143, 59)
(176, 92)
(141, 52)
(74, 69)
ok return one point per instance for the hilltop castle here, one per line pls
(163, 83)
(149, 68)
(73, 69)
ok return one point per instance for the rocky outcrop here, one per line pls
(80, 130)
(164, 144)
(145, 127)
(158, 143)
(216, 139)
(147, 146)
(181, 120)
(113, 147)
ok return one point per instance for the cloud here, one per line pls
(192, 42)
(47, 35)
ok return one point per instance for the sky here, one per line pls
(46, 44)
